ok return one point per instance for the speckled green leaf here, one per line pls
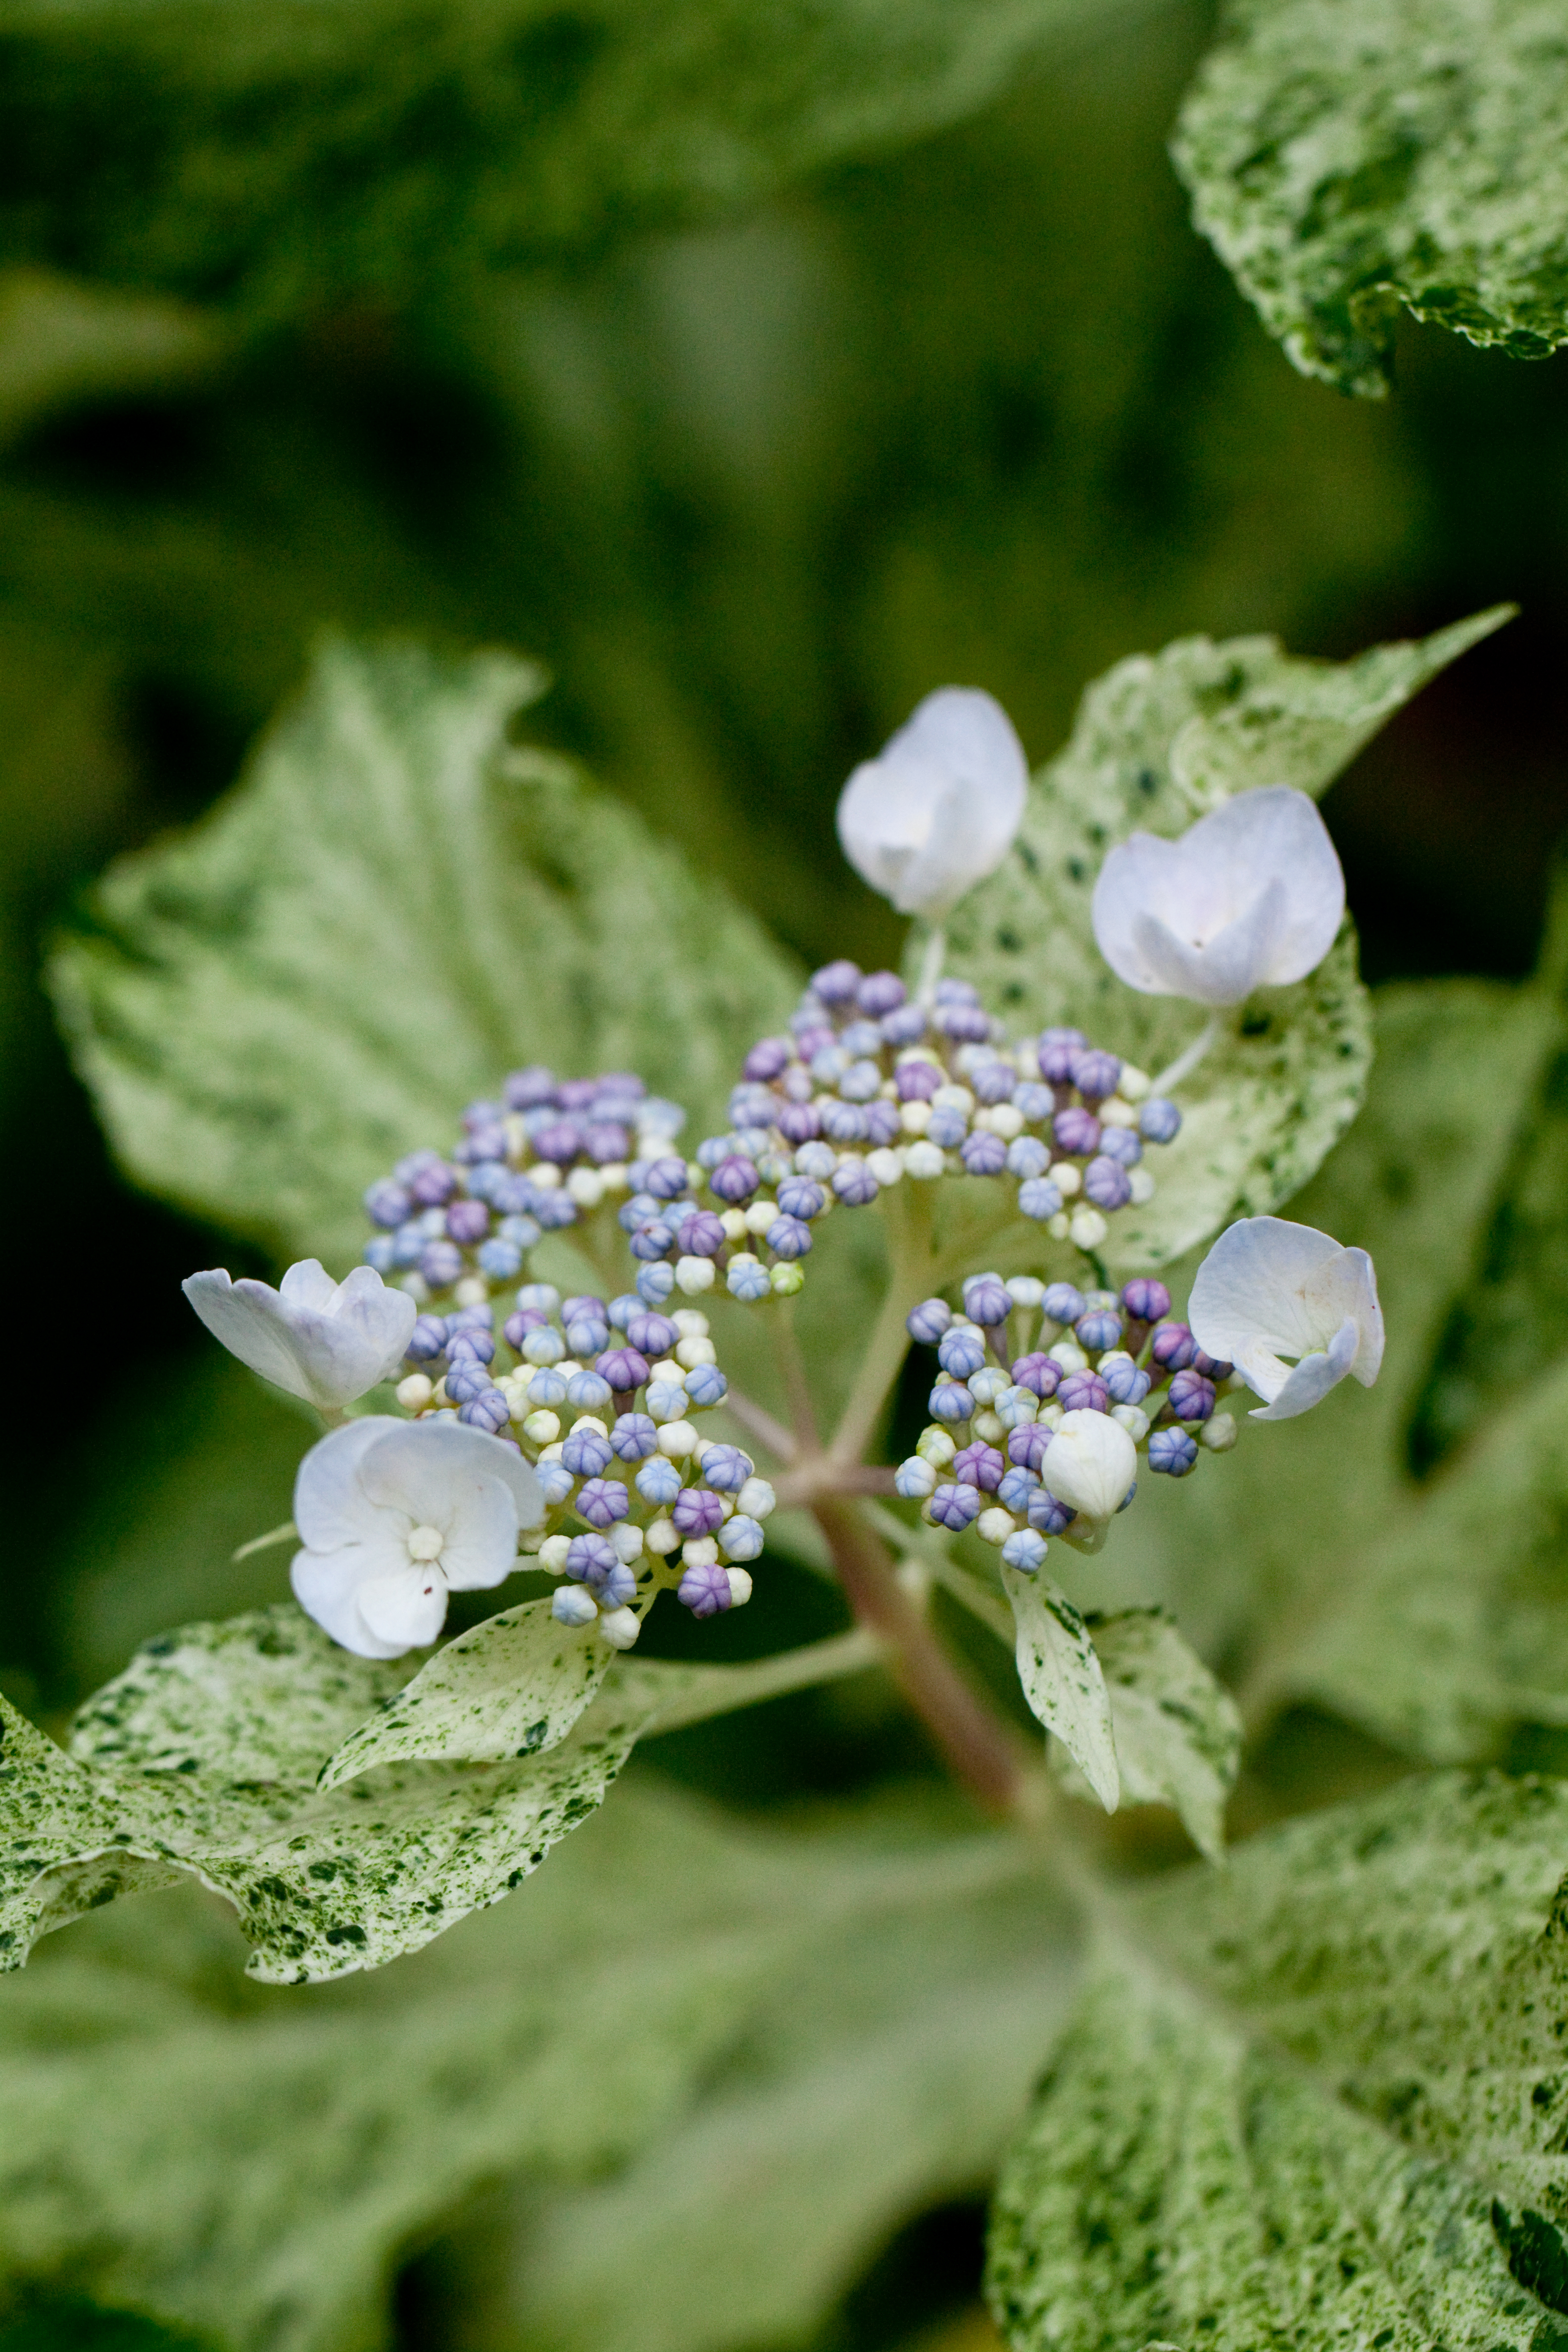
(1315, 2100)
(220, 154)
(1346, 156)
(391, 910)
(1062, 1679)
(513, 1686)
(1177, 1732)
(1159, 741)
(59, 1841)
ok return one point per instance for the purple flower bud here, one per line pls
(768, 1058)
(1098, 1329)
(985, 1300)
(957, 992)
(468, 1220)
(603, 1502)
(587, 1454)
(994, 1082)
(855, 1186)
(813, 1039)
(836, 984)
(434, 1185)
(1046, 1516)
(753, 1105)
(1212, 1368)
(955, 1505)
(477, 1346)
(788, 1238)
(427, 1340)
(1075, 1131)
(1015, 1488)
(725, 1469)
(1174, 1347)
(591, 1559)
(882, 1123)
(702, 1235)
(634, 1438)
(530, 1089)
(705, 1590)
(1040, 1374)
(583, 1303)
(1063, 1304)
(1056, 1050)
(960, 1353)
(1127, 1383)
(606, 1141)
(1192, 1397)
(388, 1204)
(1160, 1121)
(561, 1141)
(843, 1122)
(1083, 1392)
(576, 1094)
(979, 1466)
(1173, 1452)
(917, 1081)
(983, 1154)
(735, 1179)
(1120, 1143)
(516, 1327)
(625, 1368)
(486, 1144)
(1095, 1074)
(1028, 1448)
(1039, 1198)
(1105, 1183)
(697, 1512)
(799, 1122)
(489, 1411)
(650, 1333)
(799, 1197)
(966, 1025)
(467, 1379)
(441, 1264)
(906, 1026)
(666, 1178)
(651, 1241)
(928, 1321)
(879, 992)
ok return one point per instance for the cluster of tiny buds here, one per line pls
(1005, 1389)
(868, 1088)
(543, 1156)
(599, 1396)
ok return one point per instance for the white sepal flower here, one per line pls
(937, 811)
(393, 1516)
(323, 1341)
(1269, 1289)
(1251, 896)
(1090, 1464)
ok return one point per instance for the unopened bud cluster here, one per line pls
(868, 1088)
(544, 1156)
(600, 1397)
(1046, 1397)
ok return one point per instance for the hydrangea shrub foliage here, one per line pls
(612, 1237)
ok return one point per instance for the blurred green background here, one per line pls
(981, 410)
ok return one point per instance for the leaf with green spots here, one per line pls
(1313, 2100)
(1177, 1732)
(1346, 156)
(1158, 741)
(1062, 1679)
(60, 1832)
(392, 908)
(512, 1687)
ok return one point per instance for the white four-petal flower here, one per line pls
(1251, 896)
(1269, 1289)
(936, 810)
(394, 1515)
(323, 1341)
(1090, 1464)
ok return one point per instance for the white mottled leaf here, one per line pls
(1062, 1679)
(1178, 1734)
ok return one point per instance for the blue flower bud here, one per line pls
(603, 1502)
(635, 1436)
(705, 1385)
(1025, 1551)
(799, 1197)
(468, 1379)
(961, 1352)
(955, 1505)
(861, 1081)
(947, 1129)
(983, 1154)
(905, 1026)
(587, 1335)
(381, 1254)
(388, 1204)
(914, 1479)
(592, 1559)
(522, 1233)
(500, 1260)
(658, 1482)
(855, 1185)
(787, 1237)
(1121, 1144)
(1028, 1158)
(843, 1122)
(1015, 1487)
(1098, 1329)
(587, 1454)
(726, 1469)
(427, 1340)
(441, 1264)
(666, 1178)
(1172, 1451)
(748, 1280)
(986, 1300)
(572, 1605)
(642, 1208)
(742, 1538)
(1063, 1304)
(928, 1321)
(542, 1346)
(556, 1482)
(546, 1389)
(1125, 1381)
(1105, 1183)
(816, 1161)
(1159, 1120)
(736, 1179)
(489, 1411)
(1048, 1516)
(655, 1284)
(589, 1392)
(652, 1241)
(949, 1401)
(1039, 1199)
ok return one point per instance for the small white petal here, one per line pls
(938, 810)
(406, 1608)
(1090, 1464)
(1269, 1289)
(325, 1341)
(1251, 896)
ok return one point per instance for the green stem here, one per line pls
(721, 1689)
(923, 1545)
(263, 1543)
(1185, 1064)
(932, 962)
(909, 1229)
